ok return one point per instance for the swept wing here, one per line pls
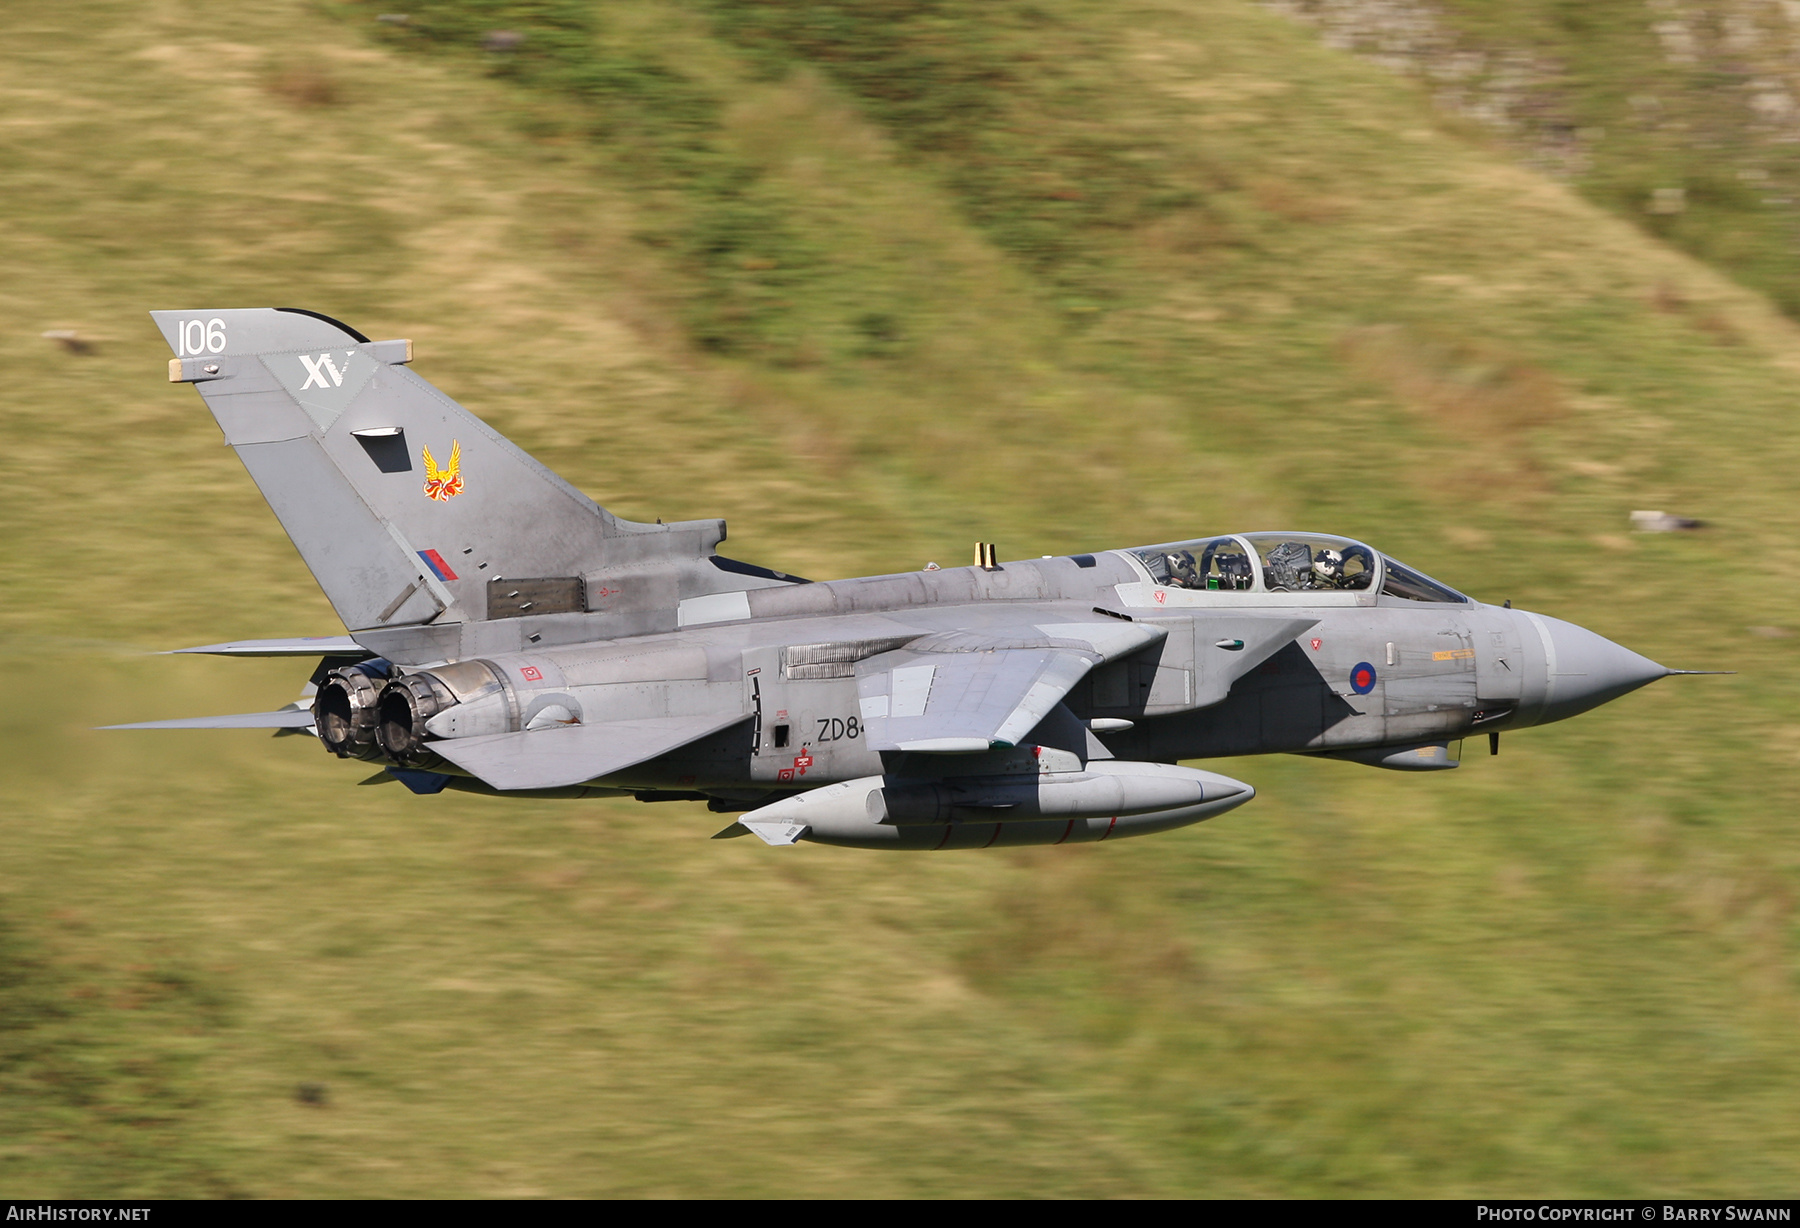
(964, 692)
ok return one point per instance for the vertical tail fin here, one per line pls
(405, 506)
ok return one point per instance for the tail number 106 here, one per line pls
(196, 337)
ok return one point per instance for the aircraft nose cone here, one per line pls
(1586, 670)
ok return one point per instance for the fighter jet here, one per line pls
(508, 636)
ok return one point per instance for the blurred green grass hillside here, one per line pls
(874, 280)
(1682, 117)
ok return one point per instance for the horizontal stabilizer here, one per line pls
(287, 718)
(574, 754)
(305, 646)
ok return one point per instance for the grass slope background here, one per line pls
(1099, 274)
(1684, 118)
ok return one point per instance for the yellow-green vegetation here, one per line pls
(874, 280)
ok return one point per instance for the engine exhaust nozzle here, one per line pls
(344, 710)
(401, 712)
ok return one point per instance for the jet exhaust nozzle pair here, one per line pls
(362, 714)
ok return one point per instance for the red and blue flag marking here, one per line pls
(439, 568)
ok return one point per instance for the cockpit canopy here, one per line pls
(1286, 563)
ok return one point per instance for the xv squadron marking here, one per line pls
(318, 369)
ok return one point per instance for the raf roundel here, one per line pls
(1362, 678)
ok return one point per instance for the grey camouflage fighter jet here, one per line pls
(508, 636)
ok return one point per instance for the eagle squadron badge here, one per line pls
(446, 483)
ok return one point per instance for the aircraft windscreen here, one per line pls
(1403, 581)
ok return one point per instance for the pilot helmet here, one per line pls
(1328, 565)
(1181, 567)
